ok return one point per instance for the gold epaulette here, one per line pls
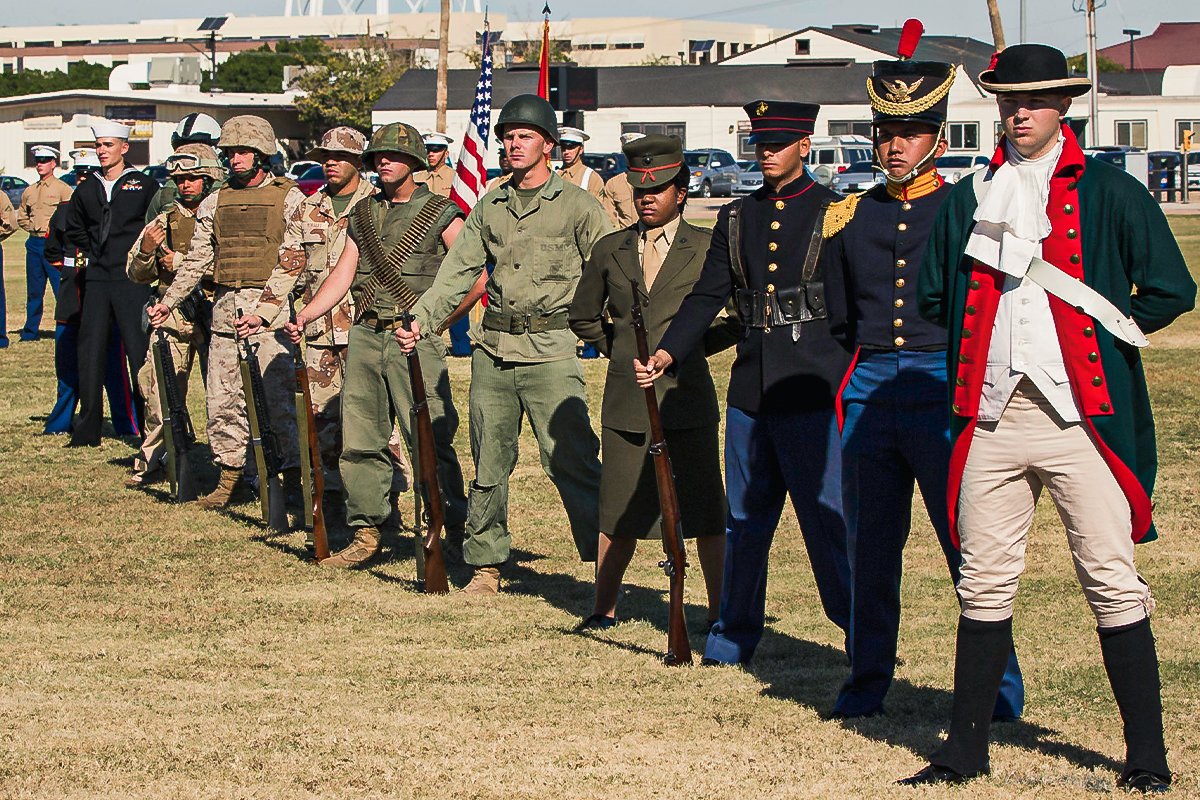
(838, 215)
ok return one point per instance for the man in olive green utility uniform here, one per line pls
(238, 241)
(396, 242)
(537, 229)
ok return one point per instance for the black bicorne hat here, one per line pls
(780, 121)
(1032, 68)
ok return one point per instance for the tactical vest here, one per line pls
(180, 228)
(248, 230)
(419, 269)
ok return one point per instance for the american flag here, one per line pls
(470, 175)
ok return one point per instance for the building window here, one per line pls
(963, 135)
(676, 129)
(850, 127)
(999, 132)
(803, 47)
(1132, 133)
(1182, 125)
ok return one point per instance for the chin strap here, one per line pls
(920, 165)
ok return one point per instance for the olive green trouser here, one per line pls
(377, 389)
(552, 394)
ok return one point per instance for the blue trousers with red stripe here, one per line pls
(895, 436)
(116, 383)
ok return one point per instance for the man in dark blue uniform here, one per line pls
(895, 429)
(780, 434)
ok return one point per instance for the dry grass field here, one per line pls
(155, 651)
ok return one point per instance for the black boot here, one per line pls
(980, 657)
(1132, 666)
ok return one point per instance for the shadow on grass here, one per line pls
(799, 671)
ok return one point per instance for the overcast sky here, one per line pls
(1050, 21)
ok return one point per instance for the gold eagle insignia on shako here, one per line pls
(900, 92)
(761, 109)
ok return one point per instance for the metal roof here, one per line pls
(630, 87)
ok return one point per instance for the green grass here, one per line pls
(149, 650)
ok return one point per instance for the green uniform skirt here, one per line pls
(629, 492)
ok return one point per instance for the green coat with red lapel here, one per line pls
(1107, 231)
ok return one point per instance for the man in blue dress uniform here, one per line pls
(895, 428)
(780, 435)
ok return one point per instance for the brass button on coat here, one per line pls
(903, 226)
(901, 263)
(1097, 381)
(974, 284)
(1088, 332)
(906, 207)
(1105, 407)
(1093, 357)
(899, 340)
(899, 283)
(1075, 259)
(775, 225)
(960, 381)
(1072, 234)
(773, 247)
(956, 408)
(963, 358)
(1068, 209)
(966, 334)
(897, 323)
(772, 267)
(899, 302)
(970, 311)
(779, 204)
(770, 287)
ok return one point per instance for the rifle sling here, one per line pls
(386, 268)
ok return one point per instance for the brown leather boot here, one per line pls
(362, 549)
(485, 583)
(227, 486)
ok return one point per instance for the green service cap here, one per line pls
(654, 160)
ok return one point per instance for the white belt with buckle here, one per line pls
(1084, 298)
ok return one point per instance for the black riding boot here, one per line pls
(980, 657)
(1132, 666)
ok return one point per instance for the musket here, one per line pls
(178, 435)
(679, 649)
(312, 472)
(266, 446)
(426, 479)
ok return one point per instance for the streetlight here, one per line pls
(1130, 32)
(212, 25)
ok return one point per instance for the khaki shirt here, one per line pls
(39, 202)
(321, 235)
(199, 260)
(538, 255)
(8, 217)
(618, 201)
(496, 183)
(439, 181)
(574, 175)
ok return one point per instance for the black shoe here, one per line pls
(932, 775)
(82, 443)
(598, 622)
(1145, 782)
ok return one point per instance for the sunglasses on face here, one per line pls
(43, 160)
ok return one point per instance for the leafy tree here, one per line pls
(260, 71)
(343, 90)
(1078, 64)
(79, 75)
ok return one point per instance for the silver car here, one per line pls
(857, 177)
(749, 180)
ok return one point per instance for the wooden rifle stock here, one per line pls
(679, 649)
(436, 581)
(306, 420)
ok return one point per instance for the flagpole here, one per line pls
(544, 60)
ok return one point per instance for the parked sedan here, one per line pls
(14, 187)
(955, 168)
(311, 179)
(750, 179)
(857, 177)
(712, 172)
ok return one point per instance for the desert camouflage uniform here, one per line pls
(321, 234)
(185, 340)
(228, 425)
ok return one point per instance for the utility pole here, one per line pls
(442, 100)
(997, 26)
(1093, 74)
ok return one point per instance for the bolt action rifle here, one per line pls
(312, 472)
(178, 435)
(679, 649)
(262, 438)
(429, 554)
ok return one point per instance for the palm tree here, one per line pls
(997, 26)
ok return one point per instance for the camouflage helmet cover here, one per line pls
(195, 159)
(398, 137)
(339, 140)
(248, 131)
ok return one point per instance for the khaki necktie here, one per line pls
(652, 257)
